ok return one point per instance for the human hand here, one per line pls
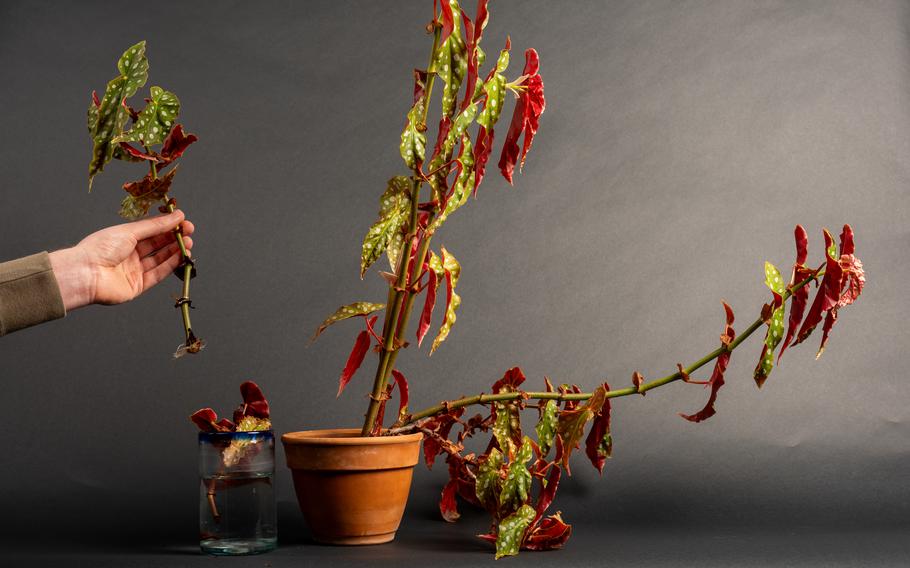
(116, 264)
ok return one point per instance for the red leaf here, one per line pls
(429, 303)
(137, 153)
(176, 144)
(800, 296)
(717, 376)
(402, 383)
(444, 126)
(448, 21)
(441, 424)
(361, 344)
(205, 419)
(473, 33)
(225, 425)
(254, 399)
(482, 150)
(95, 100)
(448, 507)
(548, 493)
(595, 448)
(552, 533)
(510, 381)
(827, 296)
(851, 283)
(525, 119)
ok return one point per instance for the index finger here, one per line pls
(156, 225)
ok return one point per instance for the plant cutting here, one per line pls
(236, 465)
(151, 137)
(516, 477)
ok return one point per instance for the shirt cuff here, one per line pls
(29, 293)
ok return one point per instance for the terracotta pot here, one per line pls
(352, 490)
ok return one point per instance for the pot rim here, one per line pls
(345, 437)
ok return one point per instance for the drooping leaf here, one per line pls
(108, 116)
(385, 234)
(145, 193)
(451, 58)
(348, 311)
(464, 184)
(436, 275)
(775, 323)
(599, 443)
(506, 414)
(155, 120)
(448, 507)
(828, 293)
(511, 531)
(475, 55)
(355, 359)
(439, 164)
(441, 425)
(138, 154)
(205, 419)
(548, 492)
(517, 483)
(413, 146)
(571, 425)
(489, 481)
(546, 426)
(403, 397)
(551, 534)
(453, 300)
(525, 119)
(494, 90)
(176, 144)
(852, 280)
(720, 367)
(801, 294)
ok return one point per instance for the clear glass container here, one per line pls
(236, 492)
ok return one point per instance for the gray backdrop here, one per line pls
(681, 144)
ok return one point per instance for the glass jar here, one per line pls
(236, 493)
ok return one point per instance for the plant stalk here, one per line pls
(393, 330)
(410, 422)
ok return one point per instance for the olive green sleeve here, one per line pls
(29, 293)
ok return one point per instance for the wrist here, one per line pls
(74, 277)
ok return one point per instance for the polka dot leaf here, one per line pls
(447, 147)
(775, 324)
(517, 484)
(155, 120)
(489, 481)
(453, 300)
(107, 116)
(348, 311)
(464, 184)
(546, 427)
(451, 58)
(511, 531)
(386, 233)
(495, 90)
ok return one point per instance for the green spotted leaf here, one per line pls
(456, 132)
(517, 483)
(156, 119)
(413, 147)
(107, 118)
(546, 427)
(348, 311)
(511, 531)
(394, 210)
(775, 324)
(507, 426)
(495, 90)
(489, 482)
(451, 57)
(464, 184)
(453, 300)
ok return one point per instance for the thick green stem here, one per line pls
(409, 422)
(187, 276)
(394, 326)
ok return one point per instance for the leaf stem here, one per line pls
(409, 423)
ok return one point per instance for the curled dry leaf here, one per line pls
(720, 367)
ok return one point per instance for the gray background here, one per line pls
(682, 142)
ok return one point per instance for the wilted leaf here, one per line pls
(475, 55)
(441, 425)
(720, 367)
(546, 426)
(801, 294)
(525, 119)
(361, 344)
(436, 275)
(108, 116)
(441, 158)
(775, 324)
(464, 184)
(828, 294)
(511, 531)
(599, 443)
(448, 507)
(517, 484)
(571, 425)
(550, 534)
(453, 300)
(489, 481)
(176, 144)
(394, 212)
(403, 397)
(205, 419)
(348, 311)
(494, 89)
(145, 193)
